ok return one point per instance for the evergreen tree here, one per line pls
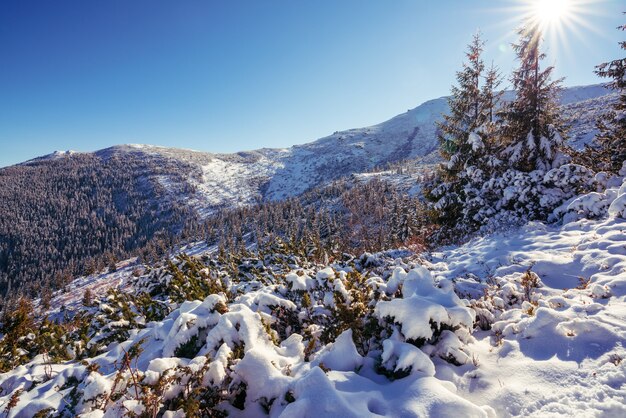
(610, 152)
(16, 323)
(466, 114)
(406, 220)
(467, 137)
(534, 129)
(88, 297)
(457, 132)
(491, 96)
(485, 162)
(46, 296)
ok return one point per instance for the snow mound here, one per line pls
(425, 308)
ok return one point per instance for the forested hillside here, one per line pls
(69, 215)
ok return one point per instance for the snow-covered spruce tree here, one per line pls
(509, 165)
(466, 137)
(610, 150)
(485, 148)
(455, 138)
(403, 220)
(465, 110)
(491, 95)
(533, 129)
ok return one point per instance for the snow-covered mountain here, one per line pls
(230, 180)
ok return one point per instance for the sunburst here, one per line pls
(563, 23)
(552, 12)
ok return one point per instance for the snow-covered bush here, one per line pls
(426, 311)
(498, 196)
(506, 296)
(607, 199)
(618, 205)
(251, 344)
(514, 197)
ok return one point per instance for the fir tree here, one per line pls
(88, 297)
(491, 96)
(485, 162)
(456, 132)
(467, 136)
(16, 323)
(534, 129)
(610, 152)
(465, 111)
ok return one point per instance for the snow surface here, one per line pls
(554, 347)
(70, 297)
(561, 354)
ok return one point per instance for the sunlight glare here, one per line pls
(559, 20)
(551, 12)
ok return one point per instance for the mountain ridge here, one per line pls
(245, 177)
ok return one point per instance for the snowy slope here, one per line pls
(410, 135)
(216, 180)
(280, 372)
(583, 116)
(559, 351)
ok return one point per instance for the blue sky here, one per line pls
(234, 75)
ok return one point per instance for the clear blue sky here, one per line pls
(234, 75)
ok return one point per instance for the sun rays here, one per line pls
(564, 24)
(551, 12)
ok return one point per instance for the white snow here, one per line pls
(340, 355)
(547, 355)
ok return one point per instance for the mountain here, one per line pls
(228, 180)
(62, 212)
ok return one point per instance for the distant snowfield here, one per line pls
(230, 184)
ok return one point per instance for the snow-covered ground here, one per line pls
(70, 297)
(559, 352)
(408, 178)
(529, 322)
(230, 183)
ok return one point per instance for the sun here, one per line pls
(562, 24)
(551, 12)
